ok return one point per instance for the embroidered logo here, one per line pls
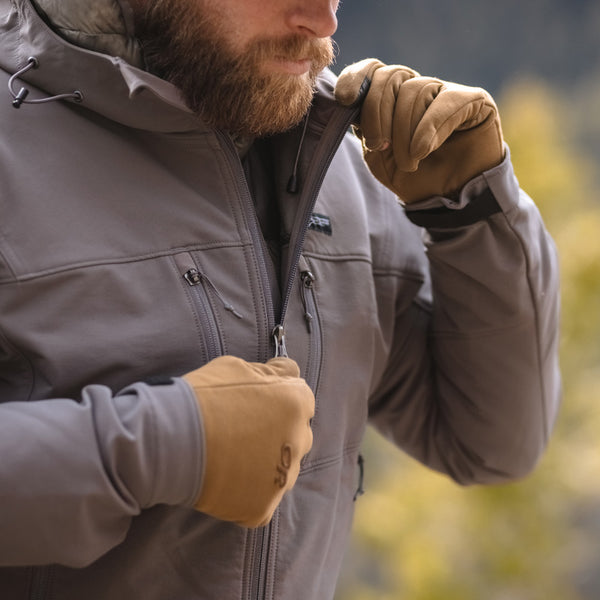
(285, 463)
(320, 223)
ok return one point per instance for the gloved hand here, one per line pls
(257, 429)
(421, 136)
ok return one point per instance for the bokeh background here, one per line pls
(418, 536)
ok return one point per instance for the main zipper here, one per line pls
(324, 155)
(261, 540)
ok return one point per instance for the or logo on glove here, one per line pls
(256, 420)
(285, 464)
(421, 136)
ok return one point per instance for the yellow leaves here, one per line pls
(423, 537)
(548, 163)
(579, 246)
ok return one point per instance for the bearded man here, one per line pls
(209, 286)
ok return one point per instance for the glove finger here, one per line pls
(454, 108)
(281, 367)
(218, 371)
(377, 114)
(351, 79)
(414, 99)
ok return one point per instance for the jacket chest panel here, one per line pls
(67, 202)
(118, 323)
(336, 346)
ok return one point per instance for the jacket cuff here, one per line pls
(477, 201)
(173, 439)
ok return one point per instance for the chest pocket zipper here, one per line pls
(194, 277)
(307, 291)
(203, 290)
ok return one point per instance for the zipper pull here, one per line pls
(279, 337)
(194, 277)
(307, 279)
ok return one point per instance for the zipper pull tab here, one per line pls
(195, 277)
(307, 279)
(192, 276)
(279, 337)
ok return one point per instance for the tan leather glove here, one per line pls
(257, 429)
(421, 136)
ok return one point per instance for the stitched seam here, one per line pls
(328, 461)
(537, 333)
(478, 333)
(338, 257)
(155, 454)
(377, 271)
(121, 261)
(414, 277)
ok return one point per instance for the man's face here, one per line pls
(246, 66)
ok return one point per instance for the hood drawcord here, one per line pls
(292, 186)
(20, 97)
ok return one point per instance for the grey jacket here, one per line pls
(131, 253)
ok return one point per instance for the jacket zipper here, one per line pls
(307, 281)
(194, 277)
(323, 157)
(203, 288)
(261, 540)
(262, 547)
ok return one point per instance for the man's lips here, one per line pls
(290, 66)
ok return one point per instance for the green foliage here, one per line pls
(420, 537)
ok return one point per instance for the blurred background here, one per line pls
(418, 536)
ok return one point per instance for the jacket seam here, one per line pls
(156, 455)
(119, 261)
(9, 258)
(377, 271)
(478, 333)
(536, 319)
(338, 257)
(508, 213)
(407, 275)
(328, 461)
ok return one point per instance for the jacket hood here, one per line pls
(102, 25)
(108, 83)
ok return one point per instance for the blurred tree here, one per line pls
(418, 536)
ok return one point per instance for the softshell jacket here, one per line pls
(131, 253)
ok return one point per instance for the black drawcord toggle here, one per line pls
(360, 490)
(20, 96)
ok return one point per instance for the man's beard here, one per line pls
(229, 89)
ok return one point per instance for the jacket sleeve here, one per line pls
(74, 474)
(472, 385)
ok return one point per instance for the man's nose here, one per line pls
(314, 17)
